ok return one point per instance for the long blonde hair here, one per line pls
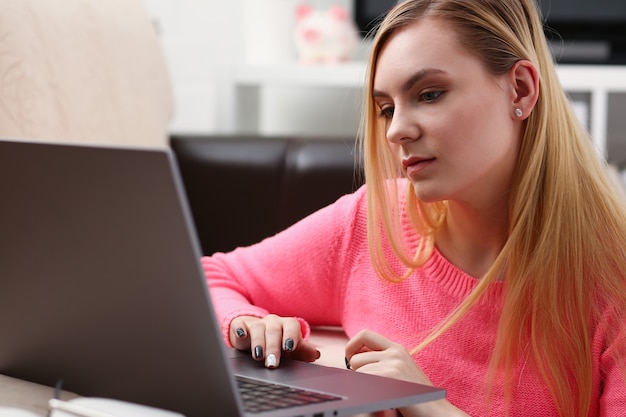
(565, 253)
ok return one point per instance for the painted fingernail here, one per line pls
(271, 361)
(347, 363)
(289, 345)
(258, 352)
(240, 332)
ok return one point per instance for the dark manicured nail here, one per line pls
(348, 364)
(240, 332)
(258, 352)
(289, 345)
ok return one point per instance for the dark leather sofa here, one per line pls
(242, 189)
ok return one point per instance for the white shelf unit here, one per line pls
(250, 84)
(599, 82)
(596, 80)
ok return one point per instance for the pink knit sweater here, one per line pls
(319, 270)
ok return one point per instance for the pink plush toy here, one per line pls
(325, 36)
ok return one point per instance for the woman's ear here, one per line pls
(525, 79)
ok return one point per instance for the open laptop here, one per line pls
(101, 287)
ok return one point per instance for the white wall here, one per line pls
(203, 42)
(199, 50)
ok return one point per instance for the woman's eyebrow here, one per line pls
(412, 80)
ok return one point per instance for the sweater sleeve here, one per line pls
(299, 272)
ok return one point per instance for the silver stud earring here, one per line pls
(518, 112)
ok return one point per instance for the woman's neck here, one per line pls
(471, 238)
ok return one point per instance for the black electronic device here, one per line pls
(579, 31)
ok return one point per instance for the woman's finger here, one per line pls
(305, 352)
(367, 340)
(256, 331)
(292, 334)
(273, 340)
(239, 334)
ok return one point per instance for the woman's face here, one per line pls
(450, 122)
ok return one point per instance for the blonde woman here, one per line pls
(486, 252)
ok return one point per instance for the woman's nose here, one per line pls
(402, 127)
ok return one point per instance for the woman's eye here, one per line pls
(386, 112)
(431, 96)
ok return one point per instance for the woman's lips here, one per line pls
(415, 165)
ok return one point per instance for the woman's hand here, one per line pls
(270, 337)
(372, 353)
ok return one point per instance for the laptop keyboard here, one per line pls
(259, 396)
